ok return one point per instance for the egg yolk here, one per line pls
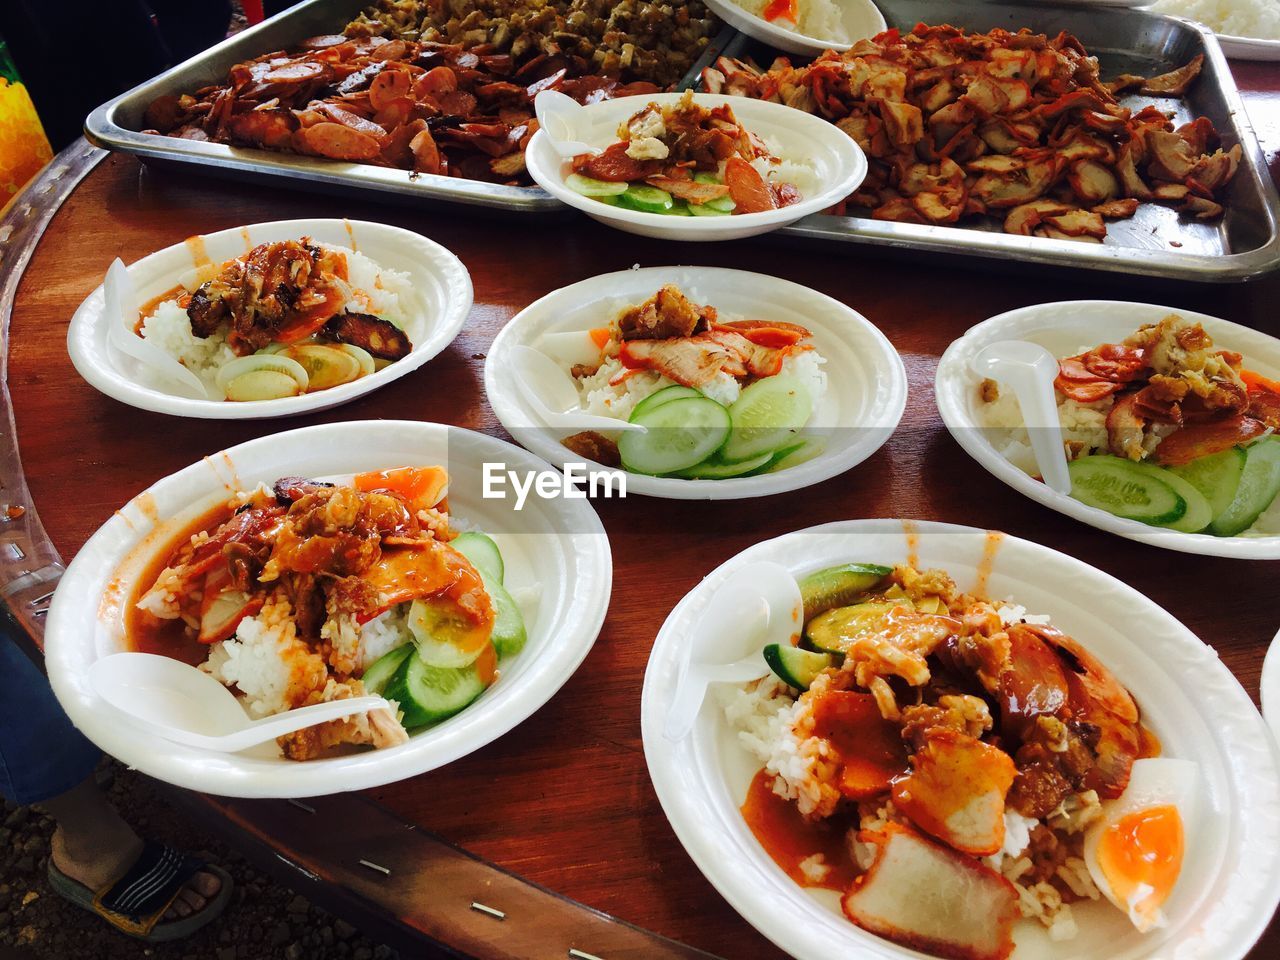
(1141, 856)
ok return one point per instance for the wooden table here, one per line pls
(565, 799)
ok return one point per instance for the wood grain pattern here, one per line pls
(565, 799)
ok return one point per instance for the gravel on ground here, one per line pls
(264, 920)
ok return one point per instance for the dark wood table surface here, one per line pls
(565, 799)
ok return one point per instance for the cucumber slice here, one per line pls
(639, 196)
(767, 416)
(707, 177)
(1199, 512)
(680, 209)
(707, 210)
(714, 469)
(382, 669)
(839, 586)
(1124, 489)
(483, 554)
(724, 204)
(795, 667)
(1217, 476)
(428, 694)
(833, 631)
(442, 638)
(591, 187)
(659, 397)
(509, 634)
(681, 433)
(1259, 486)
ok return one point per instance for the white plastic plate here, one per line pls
(1066, 328)
(554, 550)
(838, 167)
(1230, 883)
(862, 19)
(866, 380)
(441, 301)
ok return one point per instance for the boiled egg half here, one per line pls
(1135, 852)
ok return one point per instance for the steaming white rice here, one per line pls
(600, 397)
(819, 19)
(1237, 18)
(379, 291)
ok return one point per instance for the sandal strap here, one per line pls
(137, 901)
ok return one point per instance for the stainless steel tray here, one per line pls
(116, 125)
(1245, 243)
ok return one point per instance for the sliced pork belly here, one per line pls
(928, 897)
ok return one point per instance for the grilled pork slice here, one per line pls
(928, 897)
(956, 790)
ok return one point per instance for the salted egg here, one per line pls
(1135, 852)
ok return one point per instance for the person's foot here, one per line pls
(110, 853)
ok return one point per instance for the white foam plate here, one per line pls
(866, 380)
(1271, 687)
(1231, 877)
(1066, 328)
(555, 550)
(838, 167)
(861, 18)
(441, 301)
(1249, 48)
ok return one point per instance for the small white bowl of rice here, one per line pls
(1246, 29)
(994, 435)
(818, 159)
(856, 377)
(818, 24)
(1230, 877)
(412, 283)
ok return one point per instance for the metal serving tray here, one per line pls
(116, 125)
(1156, 242)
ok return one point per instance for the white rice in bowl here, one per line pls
(1259, 19)
(820, 19)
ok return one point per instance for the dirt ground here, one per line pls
(263, 922)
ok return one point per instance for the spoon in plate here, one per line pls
(176, 701)
(1029, 370)
(756, 605)
(564, 121)
(120, 311)
(548, 388)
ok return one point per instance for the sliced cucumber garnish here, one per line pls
(639, 196)
(1259, 486)
(1217, 476)
(680, 434)
(382, 669)
(428, 694)
(1199, 512)
(707, 210)
(833, 631)
(483, 554)
(659, 397)
(509, 634)
(442, 636)
(839, 586)
(795, 667)
(767, 416)
(1124, 489)
(715, 469)
(591, 187)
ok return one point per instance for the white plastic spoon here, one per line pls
(755, 606)
(180, 703)
(548, 388)
(1029, 370)
(564, 120)
(120, 310)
